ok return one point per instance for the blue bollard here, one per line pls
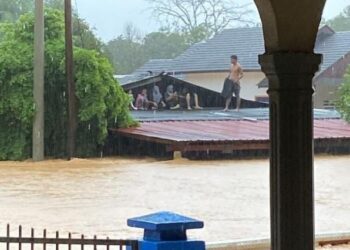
(167, 231)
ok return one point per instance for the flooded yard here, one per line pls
(97, 196)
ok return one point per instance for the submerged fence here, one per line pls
(43, 242)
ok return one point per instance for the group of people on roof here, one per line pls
(186, 98)
(171, 99)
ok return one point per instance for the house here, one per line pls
(207, 97)
(206, 64)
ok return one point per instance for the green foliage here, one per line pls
(164, 45)
(16, 103)
(125, 54)
(84, 35)
(10, 10)
(128, 52)
(55, 4)
(101, 100)
(343, 104)
(342, 21)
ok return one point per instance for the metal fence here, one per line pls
(57, 242)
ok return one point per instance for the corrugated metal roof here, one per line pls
(217, 114)
(224, 131)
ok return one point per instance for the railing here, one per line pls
(57, 243)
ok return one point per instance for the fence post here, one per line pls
(167, 231)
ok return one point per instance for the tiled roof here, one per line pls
(333, 48)
(247, 43)
(214, 55)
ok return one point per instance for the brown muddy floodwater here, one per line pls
(97, 196)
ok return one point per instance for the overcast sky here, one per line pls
(109, 17)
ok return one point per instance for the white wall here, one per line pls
(215, 80)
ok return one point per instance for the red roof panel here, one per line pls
(230, 130)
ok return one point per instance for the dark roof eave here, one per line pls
(212, 71)
(142, 82)
(320, 73)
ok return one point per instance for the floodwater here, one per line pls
(97, 196)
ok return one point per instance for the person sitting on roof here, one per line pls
(158, 97)
(142, 102)
(171, 98)
(186, 100)
(132, 99)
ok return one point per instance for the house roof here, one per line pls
(132, 81)
(247, 44)
(208, 98)
(214, 114)
(128, 79)
(155, 66)
(264, 83)
(226, 130)
(214, 55)
(149, 80)
(333, 48)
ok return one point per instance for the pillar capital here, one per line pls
(290, 63)
(290, 70)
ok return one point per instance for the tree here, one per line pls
(102, 102)
(164, 45)
(129, 51)
(343, 104)
(342, 21)
(10, 10)
(84, 35)
(200, 19)
(55, 4)
(125, 54)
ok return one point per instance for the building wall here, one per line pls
(326, 92)
(214, 81)
(328, 83)
(338, 69)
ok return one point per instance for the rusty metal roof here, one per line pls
(226, 130)
(209, 114)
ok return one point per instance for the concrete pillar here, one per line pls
(38, 85)
(71, 97)
(167, 231)
(291, 133)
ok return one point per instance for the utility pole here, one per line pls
(72, 113)
(38, 85)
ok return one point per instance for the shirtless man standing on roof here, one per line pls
(232, 84)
